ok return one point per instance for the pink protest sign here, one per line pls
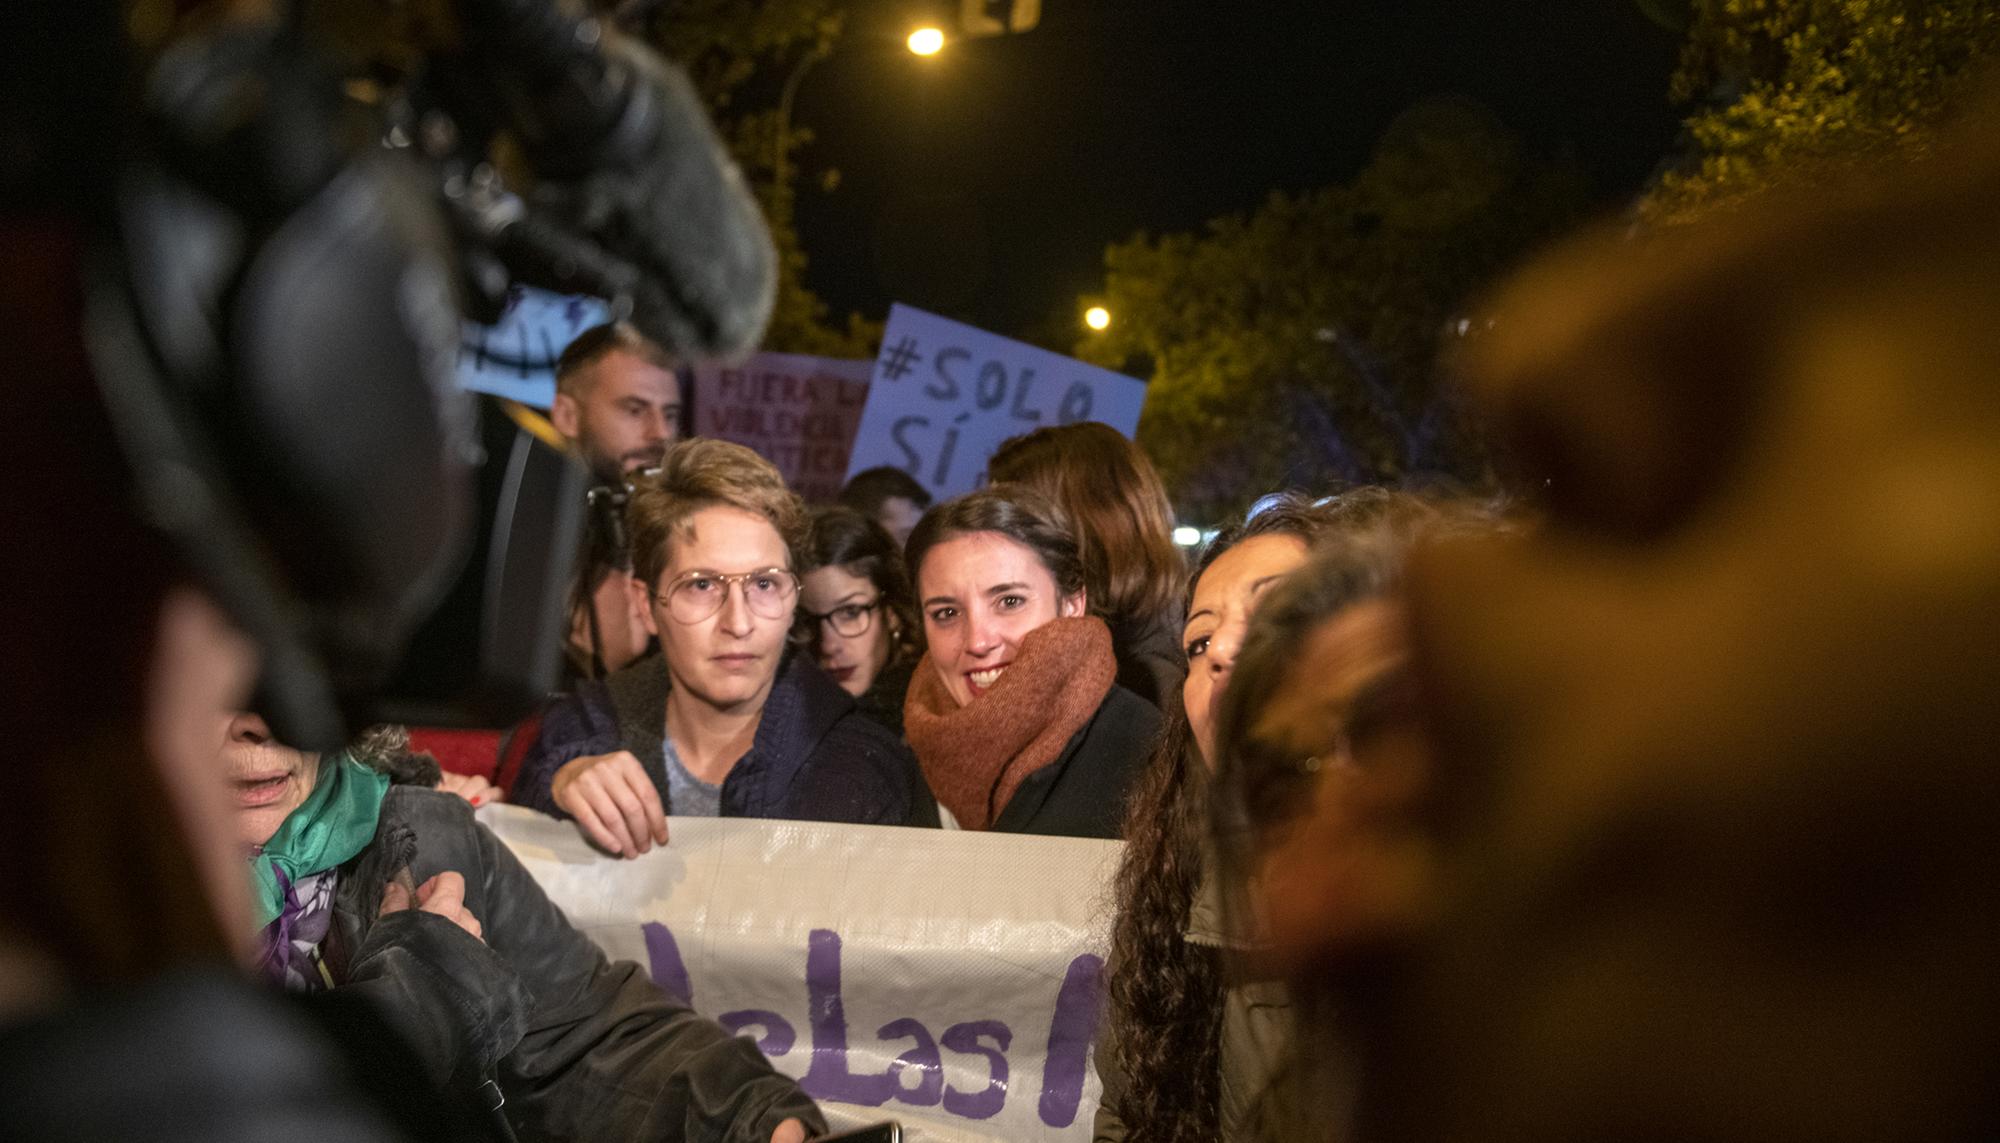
(798, 412)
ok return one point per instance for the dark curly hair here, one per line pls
(1164, 1015)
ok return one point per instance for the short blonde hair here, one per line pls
(702, 473)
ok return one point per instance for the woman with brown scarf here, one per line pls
(1014, 713)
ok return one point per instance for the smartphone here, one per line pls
(890, 1132)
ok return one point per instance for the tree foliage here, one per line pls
(740, 54)
(1299, 344)
(1816, 85)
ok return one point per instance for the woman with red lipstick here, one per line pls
(1015, 713)
(858, 613)
(728, 720)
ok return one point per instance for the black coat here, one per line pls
(1151, 661)
(1082, 793)
(582, 1047)
(883, 700)
(814, 757)
(201, 1055)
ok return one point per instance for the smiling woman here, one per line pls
(1014, 713)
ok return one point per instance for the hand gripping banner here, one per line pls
(947, 979)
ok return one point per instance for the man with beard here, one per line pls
(618, 401)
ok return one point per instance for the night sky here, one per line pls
(984, 183)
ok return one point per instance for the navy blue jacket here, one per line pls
(814, 758)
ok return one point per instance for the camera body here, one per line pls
(274, 314)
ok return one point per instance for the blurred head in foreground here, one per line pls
(1709, 843)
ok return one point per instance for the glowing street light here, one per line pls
(927, 41)
(1097, 318)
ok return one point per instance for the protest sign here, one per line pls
(516, 356)
(948, 979)
(797, 412)
(944, 395)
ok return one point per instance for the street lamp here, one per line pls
(924, 42)
(1097, 318)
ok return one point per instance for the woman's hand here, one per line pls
(473, 788)
(613, 799)
(443, 895)
(790, 1131)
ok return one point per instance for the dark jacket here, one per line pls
(1082, 793)
(582, 1047)
(882, 702)
(203, 1056)
(1256, 1042)
(1151, 661)
(814, 757)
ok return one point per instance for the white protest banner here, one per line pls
(945, 395)
(797, 412)
(516, 356)
(947, 979)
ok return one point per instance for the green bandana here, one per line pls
(335, 822)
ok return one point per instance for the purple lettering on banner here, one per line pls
(663, 957)
(827, 1077)
(778, 1035)
(922, 1059)
(986, 1103)
(1070, 1033)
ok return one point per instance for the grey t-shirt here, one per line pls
(687, 795)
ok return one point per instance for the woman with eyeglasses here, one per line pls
(857, 612)
(728, 720)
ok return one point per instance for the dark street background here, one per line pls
(985, 182)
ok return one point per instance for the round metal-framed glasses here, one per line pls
(693, 596)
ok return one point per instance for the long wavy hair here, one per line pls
(1165, 993)
(1258, 791)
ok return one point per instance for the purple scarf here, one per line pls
(292, 955)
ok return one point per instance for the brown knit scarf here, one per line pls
(975, 756)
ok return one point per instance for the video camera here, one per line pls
(275, 307)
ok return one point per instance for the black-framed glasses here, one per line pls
(696, 595)
(846, 621)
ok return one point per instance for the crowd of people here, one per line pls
(1662, 810)
(1037, 656)
(999, 661)
(799, 662)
